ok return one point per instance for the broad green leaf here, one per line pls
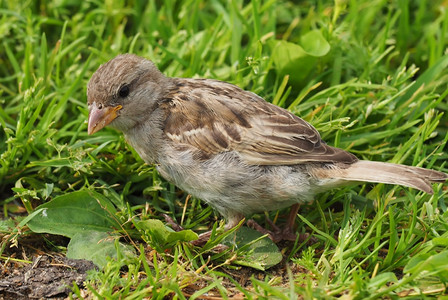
(97, 246)
(298, 61)
(259, 252)
(314, 44)
(74, 213)
(161, 237)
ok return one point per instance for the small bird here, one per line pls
(227, 146)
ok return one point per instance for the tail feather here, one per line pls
(379, 172)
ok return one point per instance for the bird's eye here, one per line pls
(124, 91)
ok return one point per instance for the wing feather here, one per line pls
(213, 117)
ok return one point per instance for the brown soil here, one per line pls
(46, 277)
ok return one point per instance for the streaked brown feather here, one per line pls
(214, 117)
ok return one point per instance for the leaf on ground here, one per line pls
(161, 237)
(97, 246)
(259, 252)
(74, 213)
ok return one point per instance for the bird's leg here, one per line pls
(170, 221)
(288, 230)
(279, 234)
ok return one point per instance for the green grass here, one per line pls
(380, 92)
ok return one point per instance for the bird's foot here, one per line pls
(203, 238)
(170, 221)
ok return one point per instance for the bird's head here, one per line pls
(123, 91)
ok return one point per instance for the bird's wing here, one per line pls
(211, 117)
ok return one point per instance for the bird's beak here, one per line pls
(101, 117)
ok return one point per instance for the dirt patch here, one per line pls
(46, 277)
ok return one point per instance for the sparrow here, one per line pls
(226, 146)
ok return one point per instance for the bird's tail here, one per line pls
(379, 172)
